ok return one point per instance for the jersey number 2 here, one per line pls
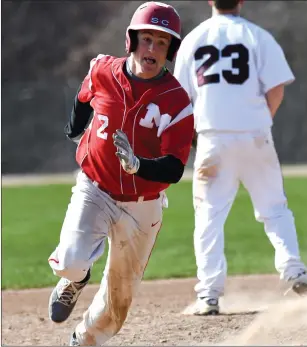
(240, 63)
(101, 130)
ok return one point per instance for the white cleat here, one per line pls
(73, 340)
(206, 307)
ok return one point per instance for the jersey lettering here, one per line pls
(241, 63)
(101, 130)
(152, 115)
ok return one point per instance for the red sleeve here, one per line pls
(85, 94)
(177, 137)
(88, 85)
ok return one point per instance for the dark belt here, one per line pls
(128, 198)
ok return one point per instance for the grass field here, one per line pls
(32, 219)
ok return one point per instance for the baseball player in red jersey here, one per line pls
(135, 146)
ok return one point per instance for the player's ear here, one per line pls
(210, 2)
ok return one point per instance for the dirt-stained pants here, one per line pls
(131, 229)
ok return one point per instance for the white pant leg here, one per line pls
(83, 233)
(131, 241)
(262, 177)
(213, 197)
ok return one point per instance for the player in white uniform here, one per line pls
(235, 73)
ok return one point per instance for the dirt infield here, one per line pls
(254, 312)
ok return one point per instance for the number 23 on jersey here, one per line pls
(240, 64)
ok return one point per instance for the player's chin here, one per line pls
(150, 66)
(151, 71)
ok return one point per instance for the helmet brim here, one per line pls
(153, 27)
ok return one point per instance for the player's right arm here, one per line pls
(79, 118)
(82, 111)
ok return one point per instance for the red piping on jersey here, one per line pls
(170, 90)
(133, 176)
(124, 117)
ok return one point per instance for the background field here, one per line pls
(33, 215)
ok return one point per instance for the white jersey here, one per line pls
(227, 64)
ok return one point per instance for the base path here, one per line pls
(254, 312)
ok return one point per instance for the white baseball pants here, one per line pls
(223, 160)
(131, 229)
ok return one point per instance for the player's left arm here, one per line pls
(176, 142)
(165, 169)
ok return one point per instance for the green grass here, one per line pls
(32, 219)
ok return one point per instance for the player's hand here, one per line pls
(128, 160)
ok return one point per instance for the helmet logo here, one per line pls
(156, 20)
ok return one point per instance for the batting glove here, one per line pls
(128, 160)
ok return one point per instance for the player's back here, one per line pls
(228, 75)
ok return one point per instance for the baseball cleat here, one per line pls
(299, 284)
(206, 307)
(64, 298)
(73, 340)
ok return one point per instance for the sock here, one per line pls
(86, 278)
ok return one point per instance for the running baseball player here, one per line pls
(135, 146)
(235, 73)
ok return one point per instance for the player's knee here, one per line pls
(274, 211)
(71, 273)
(69, 263)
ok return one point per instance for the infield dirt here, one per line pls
(254, 312)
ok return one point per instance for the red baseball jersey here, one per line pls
(159, 123)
